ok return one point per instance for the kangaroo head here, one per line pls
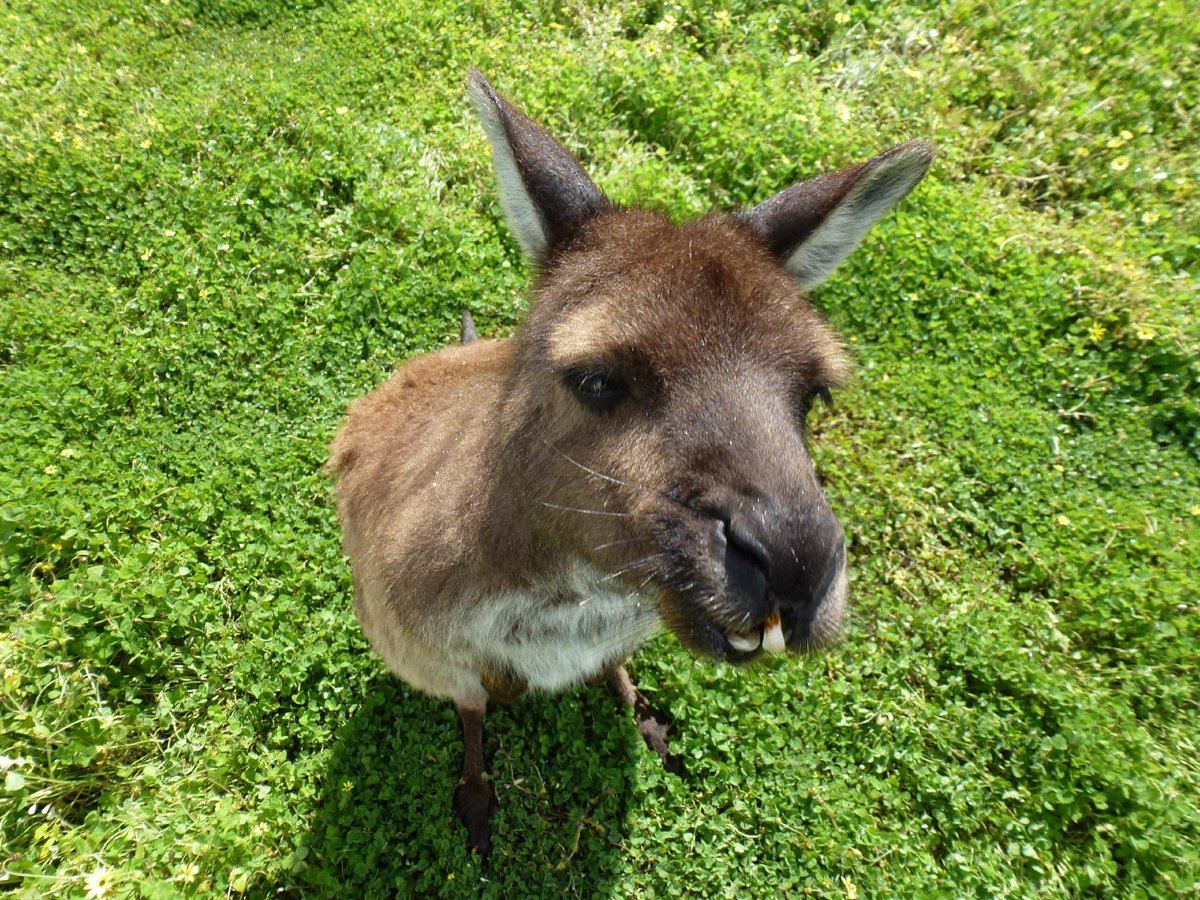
(654, 420)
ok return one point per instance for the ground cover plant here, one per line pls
(221, 221)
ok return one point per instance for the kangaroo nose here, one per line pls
(799, 556)
(818, 621)
(833, 568)
(742, 539)
(785, 575)
(746, 568)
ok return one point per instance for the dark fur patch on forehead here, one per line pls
(679, 296)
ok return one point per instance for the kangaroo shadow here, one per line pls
(564, 768)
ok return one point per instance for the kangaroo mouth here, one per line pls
(718, 600)
(767, 637)
(784, 629)
(739, 645)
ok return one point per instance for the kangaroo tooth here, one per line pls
(773, 641)
(745, 643)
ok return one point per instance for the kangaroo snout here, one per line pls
(784, 579)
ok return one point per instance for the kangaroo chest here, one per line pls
(562, 633)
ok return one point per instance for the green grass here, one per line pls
(220, 222)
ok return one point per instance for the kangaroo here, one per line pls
(522, 514)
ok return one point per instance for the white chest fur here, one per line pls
(563, 633)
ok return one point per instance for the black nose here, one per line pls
(833, 568)
(794, 554)
(744, 540)
(817, 621)
(746, 568)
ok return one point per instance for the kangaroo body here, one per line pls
(452, 614)
(523, 514)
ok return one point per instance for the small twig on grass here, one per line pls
(794, 830)
(583, 819)
(812, 792)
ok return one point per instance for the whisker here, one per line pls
(590, 471)
(616, 543)
(587, 468)
(594, 512)
(625, 635)
(641, 586)
(633, 484)
(632, 565)
(629, 635)
(628, 601)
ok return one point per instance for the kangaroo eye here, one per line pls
(595, 390)
(594, 385)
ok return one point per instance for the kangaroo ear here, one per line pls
(814, 225)
(546, 195)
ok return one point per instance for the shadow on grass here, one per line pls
(382, 824)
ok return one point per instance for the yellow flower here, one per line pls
(99, 884)
(51, 470)
(1097, 332)
(1120, 164)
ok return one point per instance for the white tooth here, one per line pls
(773, 641)
(742, 642)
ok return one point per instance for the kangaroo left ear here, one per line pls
(546, 195)
(814, 225)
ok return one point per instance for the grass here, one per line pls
(221, 221)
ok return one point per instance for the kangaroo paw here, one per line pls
(475, 803)
(651, 724)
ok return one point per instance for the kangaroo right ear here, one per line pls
(814, 225)
(546, 195)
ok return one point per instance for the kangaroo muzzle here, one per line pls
(785, 577)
